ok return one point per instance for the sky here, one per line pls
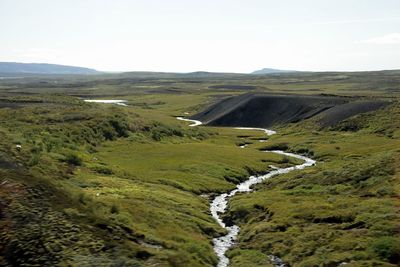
(203, 35)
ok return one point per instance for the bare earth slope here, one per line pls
(336, 114)
(263, 110)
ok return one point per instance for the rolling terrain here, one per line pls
(91, 184)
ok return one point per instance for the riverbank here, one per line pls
(220, 203)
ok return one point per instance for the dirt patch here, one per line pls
(5, 164)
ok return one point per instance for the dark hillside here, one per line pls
(336, 114)
(262, 110)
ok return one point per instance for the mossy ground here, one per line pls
(130, 186)
(334, 212)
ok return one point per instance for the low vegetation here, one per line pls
(91, 184)
(343, 210)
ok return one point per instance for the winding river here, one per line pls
(219, 205)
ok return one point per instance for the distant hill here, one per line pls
(42, 68)
(270, 71)
(206, 74)
(197, 74)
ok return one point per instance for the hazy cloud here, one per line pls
(350, 21)
(392, 38)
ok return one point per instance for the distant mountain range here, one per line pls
(270, 71)
(14, 68)
(42, 68)
(37, 69)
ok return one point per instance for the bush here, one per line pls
(285, 159)
(81, 198)
(387, 248)
(102, 169)
(114, 209)
(305, 151)
(158, 131)
(279, 146)
(34, 160)
(120, 126)
(73, 159)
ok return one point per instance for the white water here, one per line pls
(268, 132)
(195, 122)
(219, 204)
(107, 101)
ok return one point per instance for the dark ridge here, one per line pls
(9, 104)
(263, 110)
(336, 114)
(233, 87)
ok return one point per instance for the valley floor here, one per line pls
(89, 184)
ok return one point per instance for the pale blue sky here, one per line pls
(219, 35)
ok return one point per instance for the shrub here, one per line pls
(81, 198)
(387, 248)
(120, 126)
(34, 160)
(73, 159)
(305, 151)
(279, 146)
(102, 169)
(285, 159)
(159, 130)
(114, 209)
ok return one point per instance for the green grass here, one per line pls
(158, 187)
(117, 170)
(334, 212)
(134, 184)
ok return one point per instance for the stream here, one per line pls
(219, 205)
(107, 101)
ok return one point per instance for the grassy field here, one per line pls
(343, 210)
(104, 185)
